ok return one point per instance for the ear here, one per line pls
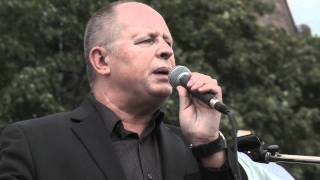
(98, 58)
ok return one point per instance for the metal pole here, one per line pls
(277, 157)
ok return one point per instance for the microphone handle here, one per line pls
(208, 98)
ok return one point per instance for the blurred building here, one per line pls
(304, 29)
(281, 17)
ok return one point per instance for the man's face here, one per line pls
(142, 53)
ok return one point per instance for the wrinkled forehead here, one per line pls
(133, 14)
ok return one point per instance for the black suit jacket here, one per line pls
(76, 146)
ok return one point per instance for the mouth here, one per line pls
(162, 71)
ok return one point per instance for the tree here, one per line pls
(270, 77)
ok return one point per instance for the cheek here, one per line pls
(134, 59)
(173, 61)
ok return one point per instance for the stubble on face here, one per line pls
(132, 63)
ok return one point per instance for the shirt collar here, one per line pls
(108, 117)
(113, 123)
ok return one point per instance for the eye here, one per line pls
(169, 43)
(146, 41)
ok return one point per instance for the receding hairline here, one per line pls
(104, 26)
(107, 17)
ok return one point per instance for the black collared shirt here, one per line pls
(139, 156)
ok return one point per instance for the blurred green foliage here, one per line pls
(270, 78)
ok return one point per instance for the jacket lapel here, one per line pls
(171, 154)
(91, 131)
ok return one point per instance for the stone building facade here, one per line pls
(281, 17)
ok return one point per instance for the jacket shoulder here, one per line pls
(51, 119)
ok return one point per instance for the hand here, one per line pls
(199, 122)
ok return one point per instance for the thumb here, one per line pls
(184, 99)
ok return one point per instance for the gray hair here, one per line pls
(101, 30)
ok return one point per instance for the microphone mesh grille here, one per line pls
(175, 73)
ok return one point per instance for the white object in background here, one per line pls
(262, 171)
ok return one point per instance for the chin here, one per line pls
(163, 92)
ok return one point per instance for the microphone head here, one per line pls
(176, 73)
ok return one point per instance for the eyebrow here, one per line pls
(154, 34)
(168, 38)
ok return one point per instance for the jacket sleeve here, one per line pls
(15, 155)
(223, 173)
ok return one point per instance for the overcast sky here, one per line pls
(306, 12)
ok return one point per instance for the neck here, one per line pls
(134, 113)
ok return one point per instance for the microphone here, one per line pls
(180, 75)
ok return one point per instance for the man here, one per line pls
(117, 133)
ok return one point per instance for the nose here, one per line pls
(164, 51)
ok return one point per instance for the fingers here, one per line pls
(203, 83)
(184, 99)
(182, 91)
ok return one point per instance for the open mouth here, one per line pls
(162, 71)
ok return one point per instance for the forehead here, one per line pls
(140, 16)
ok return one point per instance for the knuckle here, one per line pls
(195, 73)
(214, 81)
(207, 76)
